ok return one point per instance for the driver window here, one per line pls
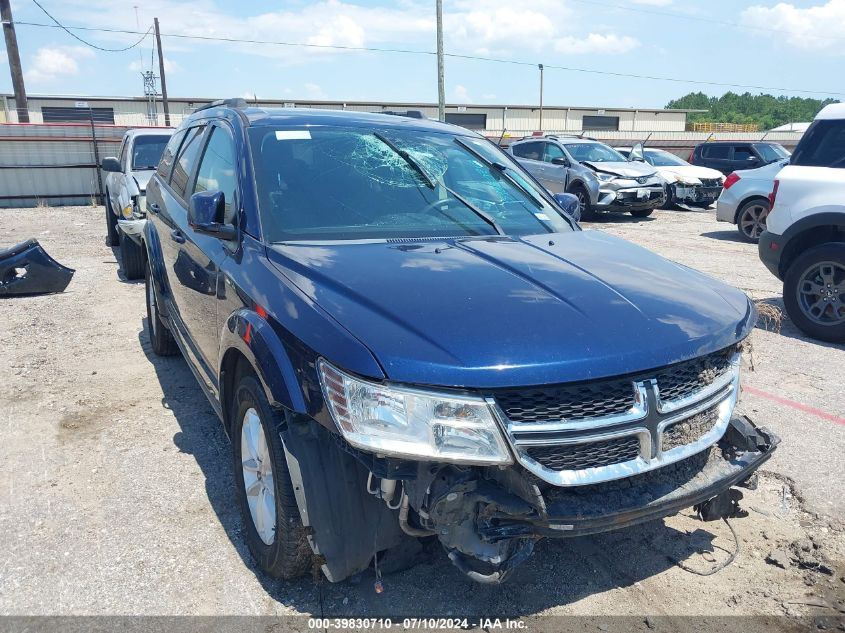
(552, 152)
(217, 171)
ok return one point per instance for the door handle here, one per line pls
(177, 236)
(155, 208)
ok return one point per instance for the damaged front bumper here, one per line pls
(133, 228)
(488, 519)
(694, 195)
(630, 198)
(27, 269)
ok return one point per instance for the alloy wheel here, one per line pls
(821, 293)
(753, 221)
(258, 476)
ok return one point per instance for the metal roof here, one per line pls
(388, 104)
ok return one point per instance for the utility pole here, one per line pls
(541, 96)
(14, 61)
(161, 75)
(441, 86)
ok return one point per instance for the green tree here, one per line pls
(767, 111)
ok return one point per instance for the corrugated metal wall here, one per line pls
(52, 164)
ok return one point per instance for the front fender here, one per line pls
(252, 336)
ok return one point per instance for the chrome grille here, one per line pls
(683, 379)
(567, 402)
(690, 430)
(580, 456)
(585, 433)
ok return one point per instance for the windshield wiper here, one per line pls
(481, 214)
(502, 169)
(408, 159)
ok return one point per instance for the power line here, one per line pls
(76, 37)
(695, 18)
(405, 51)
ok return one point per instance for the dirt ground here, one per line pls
(117, 493)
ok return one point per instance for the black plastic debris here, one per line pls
(27, 269)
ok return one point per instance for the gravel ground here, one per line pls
(117, 482)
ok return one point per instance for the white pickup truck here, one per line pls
(804, 240)
(125, 194)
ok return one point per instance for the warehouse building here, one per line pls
(492, 120)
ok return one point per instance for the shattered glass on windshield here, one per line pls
(334, 183)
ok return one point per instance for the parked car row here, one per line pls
(373, 305)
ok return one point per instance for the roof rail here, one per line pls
(224, 103)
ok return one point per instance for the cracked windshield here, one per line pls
(345, 184)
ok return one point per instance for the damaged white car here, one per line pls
(125, 195)
(686, 185)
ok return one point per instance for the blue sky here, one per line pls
(793, 45)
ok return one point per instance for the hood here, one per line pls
(626, 169)
(142, 178)
(688, 172)
(503, 311)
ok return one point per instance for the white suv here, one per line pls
(804, 241)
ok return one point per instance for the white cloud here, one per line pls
(170, 66)
(460, 94)
(313, 91)
(596, 43)
(49, 63)
(811, 28)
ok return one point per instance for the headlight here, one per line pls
(127, 211)
(413, 424)
(604, 177)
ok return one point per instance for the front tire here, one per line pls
(584, 204)
(161, 338)
(273, 528)
(751, 219)
(112, 237)
(133, 257)
(814, 292)
(641, 213)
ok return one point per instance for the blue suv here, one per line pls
(406, 336)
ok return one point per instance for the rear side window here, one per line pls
(823, 145)
(531, 151)
(716, 151)
(166, 162)
(184, 166)
(743, 152)
(217, 170)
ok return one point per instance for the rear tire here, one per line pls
(814, 292)
(584, 204)
(751, 219)
(161, 338)
(133, 257)
(278, 543)
(112, 237)
(641, 213)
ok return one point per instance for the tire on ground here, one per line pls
(112, 236)
(641, 213)
(289, 555)
(161, 338)
(133, 257)
(583, 196)
(833, 252)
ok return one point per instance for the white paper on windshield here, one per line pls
(291, 135)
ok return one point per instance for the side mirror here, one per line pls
(205, 215)
(561, 160)
(752, 160)
(110, 163)
(569, 205)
